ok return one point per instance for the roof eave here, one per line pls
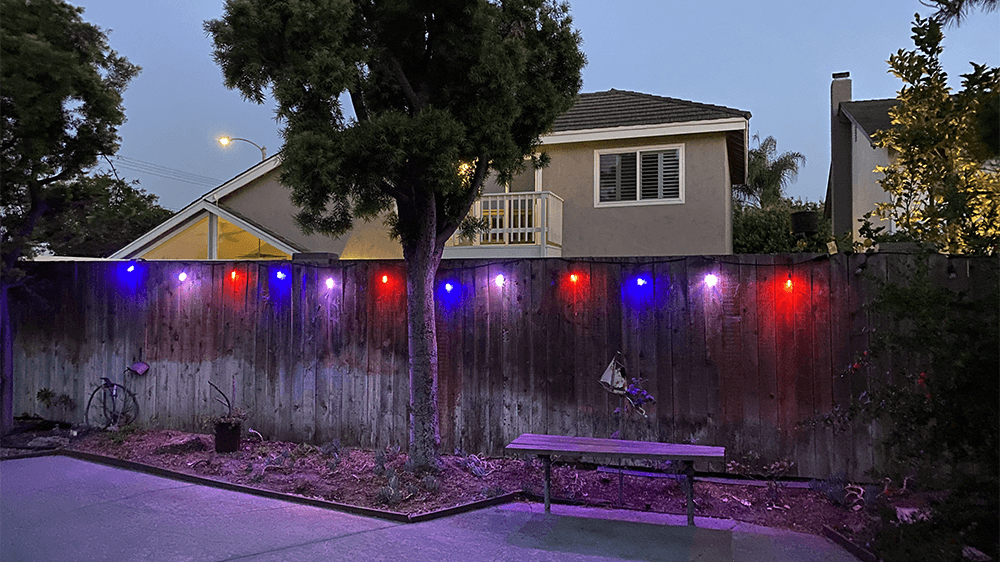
(645, 131)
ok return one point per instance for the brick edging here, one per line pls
(860, 552)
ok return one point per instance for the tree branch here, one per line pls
(416, 104)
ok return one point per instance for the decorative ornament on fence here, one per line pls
(613, 380)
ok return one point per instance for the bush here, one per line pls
(768, 230)
(938, 416)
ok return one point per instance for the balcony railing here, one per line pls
(523, 224)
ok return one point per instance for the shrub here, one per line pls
(431, 484)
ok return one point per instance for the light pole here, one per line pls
(263, 150)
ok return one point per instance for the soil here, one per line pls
(362, 478)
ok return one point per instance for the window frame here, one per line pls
(638, 150)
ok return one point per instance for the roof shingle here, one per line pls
(870, 115)
(621, 108)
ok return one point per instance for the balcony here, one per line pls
(521, 225)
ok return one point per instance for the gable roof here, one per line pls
(870, 115)
(622, 108)
(209, 203)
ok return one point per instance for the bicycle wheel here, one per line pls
(111, 406)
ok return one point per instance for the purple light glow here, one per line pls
(711, 280)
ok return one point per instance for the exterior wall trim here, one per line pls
(188, 216)
(643, 131)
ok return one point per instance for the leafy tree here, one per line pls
(61, 99)
(61, 91)
(97, 216)
(768, 174)
(942, 188)
(768, 230)
(445, 92)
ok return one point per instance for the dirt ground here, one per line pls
(380, 479)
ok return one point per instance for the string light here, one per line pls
(448, 287)
(280, 275)
(130, 269)
(499, 280)
(385, 278)
(574, 278)
(788, 283)
(232, 275)
(182, 277)
(640, 281)
(711, 280)
(329, 282)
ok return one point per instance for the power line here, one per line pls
(150, 168)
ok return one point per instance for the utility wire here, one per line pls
(165, 172)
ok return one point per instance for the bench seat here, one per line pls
(547, 445)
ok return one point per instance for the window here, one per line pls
(644, 176)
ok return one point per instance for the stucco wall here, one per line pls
(700, 225)
(867, 191)
(268, 203)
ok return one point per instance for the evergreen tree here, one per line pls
(445, 92)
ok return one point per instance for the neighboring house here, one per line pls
(853, 188)
(629, 174)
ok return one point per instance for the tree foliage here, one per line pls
(768, 174)
(445, 92)
(94, 216)
(943, 182)
(61, 104)
(954, 11)
(768, 230)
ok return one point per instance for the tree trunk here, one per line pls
(6, 364)
(422, 260)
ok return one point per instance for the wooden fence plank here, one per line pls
(740, 363)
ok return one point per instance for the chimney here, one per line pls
(840, 90)
(840, 197)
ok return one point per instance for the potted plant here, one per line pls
(228, 427)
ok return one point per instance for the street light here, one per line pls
(263, 150)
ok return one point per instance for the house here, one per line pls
(630, 174)
(853, 188)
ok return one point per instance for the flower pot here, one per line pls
(805, 222)
(227, 436)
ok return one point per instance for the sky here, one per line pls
(773, 58)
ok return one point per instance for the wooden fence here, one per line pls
(319, 352)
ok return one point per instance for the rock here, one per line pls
(183, 444)
(911, 514)
(973, 554)
(48, 442)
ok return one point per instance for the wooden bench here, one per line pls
(547, 445)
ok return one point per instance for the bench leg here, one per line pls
(689, 490)
(547, 463)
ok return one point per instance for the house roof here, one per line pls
(209, 203)
(613, 114)
(870, 115)
(622, 108)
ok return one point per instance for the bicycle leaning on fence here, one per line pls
(113, 405)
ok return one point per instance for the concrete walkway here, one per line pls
(58, 508)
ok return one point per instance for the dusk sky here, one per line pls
(773, 58)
